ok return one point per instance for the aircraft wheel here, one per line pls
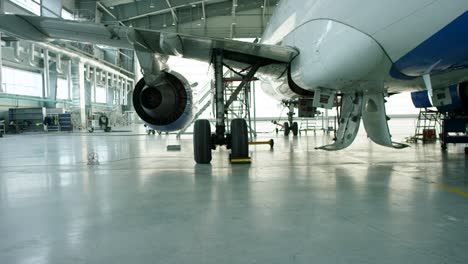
(287, 129)
(295, 129)
(239, 139)
(202, 141)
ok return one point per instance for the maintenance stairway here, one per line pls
(239, 108)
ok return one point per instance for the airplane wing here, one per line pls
(44, 29)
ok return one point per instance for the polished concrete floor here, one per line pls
(143, 204)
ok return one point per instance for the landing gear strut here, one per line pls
(237, 140)
(291, 126)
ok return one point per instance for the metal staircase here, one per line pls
(239, 108)
(428, 120)
(204, 101)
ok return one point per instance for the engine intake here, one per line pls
(165, 105)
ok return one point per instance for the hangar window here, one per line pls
(62, 89)
(22, 82)
(101, 95)
(33, 6)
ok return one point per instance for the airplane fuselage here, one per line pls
(371, 45)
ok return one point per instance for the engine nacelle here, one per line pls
(167, 104)
(450, 99)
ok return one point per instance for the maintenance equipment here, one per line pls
(99, 121)
(427, 126)
(27, 119)
(2, 128)
(270, 142)
(454, 130)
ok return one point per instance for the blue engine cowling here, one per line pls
(450, 99)
(166, 106)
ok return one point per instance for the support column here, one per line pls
(82, 93)
(106, 86)
(94, 85)
(45, 75)
(50, 78)
(69, 79)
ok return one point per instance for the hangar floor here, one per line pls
(142, 204)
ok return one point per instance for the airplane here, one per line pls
(363, 50)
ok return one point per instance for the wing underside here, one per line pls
(45, 29)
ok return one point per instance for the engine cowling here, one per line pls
(449, 99)
(165, 105)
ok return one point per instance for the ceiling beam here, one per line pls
(174, 16)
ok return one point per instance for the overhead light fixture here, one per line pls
(152, 4)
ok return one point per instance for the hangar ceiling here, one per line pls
(214, 18)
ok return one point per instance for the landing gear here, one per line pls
(202, 142)
(287, 129)
(295, 129)
(237, 140)
(291, 126)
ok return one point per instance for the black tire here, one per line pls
(202, 142)
(287, 129)
(239, 139)
(295, 129)
(466, 151)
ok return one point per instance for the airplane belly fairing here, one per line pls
(336, 56)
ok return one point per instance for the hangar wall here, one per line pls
(97, 79)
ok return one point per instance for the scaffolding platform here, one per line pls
(427, 126)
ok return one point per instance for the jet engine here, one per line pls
(449, 99)
(166, 104)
